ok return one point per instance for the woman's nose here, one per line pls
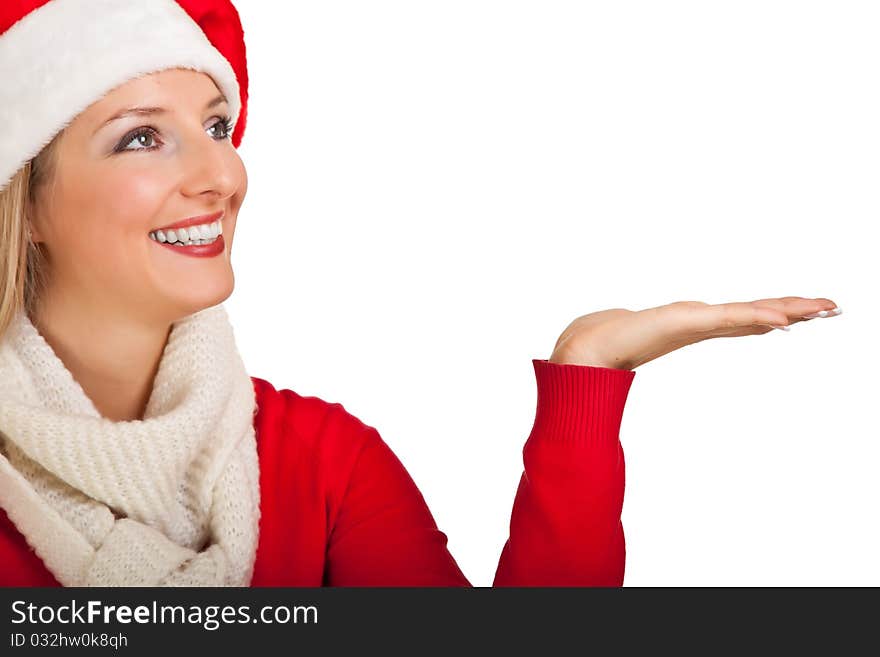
(210, 166)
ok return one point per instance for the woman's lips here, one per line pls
(197, 250)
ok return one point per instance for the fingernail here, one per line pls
(824, 313)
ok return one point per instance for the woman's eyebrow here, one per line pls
(145, 111)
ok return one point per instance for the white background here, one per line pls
(438, 188)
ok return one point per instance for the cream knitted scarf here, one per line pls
(170, 500)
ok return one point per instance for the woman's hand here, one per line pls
(624, 339)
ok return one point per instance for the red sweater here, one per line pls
(339, 509)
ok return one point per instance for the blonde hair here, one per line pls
(23, 263)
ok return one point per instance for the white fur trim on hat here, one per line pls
(68, 54)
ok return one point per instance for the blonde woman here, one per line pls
(135, 449)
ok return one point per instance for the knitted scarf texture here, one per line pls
(169, 500)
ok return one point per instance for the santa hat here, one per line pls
(57, 57)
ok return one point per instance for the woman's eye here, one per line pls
(140, 136)
(226, 124)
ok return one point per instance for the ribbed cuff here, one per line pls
(579, 403)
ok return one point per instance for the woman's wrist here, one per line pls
(560, 357)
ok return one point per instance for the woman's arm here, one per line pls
(384, 534)
(565, 527)
(565, 524)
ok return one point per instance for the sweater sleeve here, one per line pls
(384, 534)
(565, 523)
(565, 526)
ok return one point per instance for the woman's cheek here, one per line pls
(135, 202)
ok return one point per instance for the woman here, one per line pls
(134, 447)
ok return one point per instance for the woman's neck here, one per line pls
(114, 358)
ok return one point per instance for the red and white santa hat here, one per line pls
(57, 57)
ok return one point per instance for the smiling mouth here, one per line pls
(199, 234)
(198, 249)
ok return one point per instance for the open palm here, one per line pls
(624, 339)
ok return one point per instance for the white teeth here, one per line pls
(200, 234)
(195, 242)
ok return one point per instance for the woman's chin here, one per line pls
(196, 298)
(189, 284)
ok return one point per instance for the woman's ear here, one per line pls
(30, 224)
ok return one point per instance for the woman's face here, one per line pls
(118, 181)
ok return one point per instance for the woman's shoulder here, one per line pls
(286, 421)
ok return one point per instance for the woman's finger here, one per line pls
(799, 309)
(824, 313)
(719, 318)
(776, 312)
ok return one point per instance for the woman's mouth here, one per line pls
(201, 241)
